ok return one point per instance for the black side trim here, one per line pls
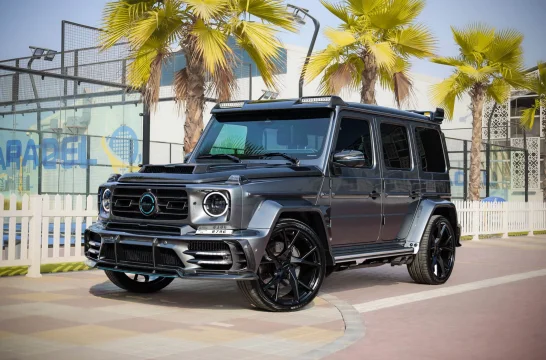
(358, 249)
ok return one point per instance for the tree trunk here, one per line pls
(369, 78)
(195, 102)
(477, 96)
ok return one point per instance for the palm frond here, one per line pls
(449, 61)
(415, 40)
(339, 37)
(207, 9)
(445, 93)
(398, 81)
(498, 90)
(384, 54)
(528, 115)
(211, 45)
(320, 60)
(340, 11)
(273, 12)
(395, 13)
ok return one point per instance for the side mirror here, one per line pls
(350, 158)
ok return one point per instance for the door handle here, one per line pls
(374, 194)
(415, 194)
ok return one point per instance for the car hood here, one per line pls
(208, 173)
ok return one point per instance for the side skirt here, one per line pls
(368, 255)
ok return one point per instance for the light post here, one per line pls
(298, 12)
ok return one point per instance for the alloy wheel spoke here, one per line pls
(304, 285)
(274, 280)
(277, 291)
(146, 278)
(445, 248)
(272, 257)
(294, 284)
(309, 253)
(441, 265)
(291, 244)
(300, 261)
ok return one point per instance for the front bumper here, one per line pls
(232, 257)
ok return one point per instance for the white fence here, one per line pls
(479, 218)
(44, 232)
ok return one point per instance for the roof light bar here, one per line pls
(315, 99)
(231, 104)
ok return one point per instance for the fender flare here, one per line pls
(426, 209)
(268, 213)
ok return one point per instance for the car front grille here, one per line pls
(172, 203)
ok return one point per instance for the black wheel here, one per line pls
(291, 271)
(138, 283)
(435, 260)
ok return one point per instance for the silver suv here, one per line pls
(279, 194)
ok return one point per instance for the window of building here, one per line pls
(396, 152)
(354, 134)
(430, 150)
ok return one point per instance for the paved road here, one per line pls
(493, 307)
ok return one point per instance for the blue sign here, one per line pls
(70, 152)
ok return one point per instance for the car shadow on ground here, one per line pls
(212, 294)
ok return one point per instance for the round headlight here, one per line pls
(106, 200)
(215, 204)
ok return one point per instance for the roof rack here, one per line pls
(436, 115)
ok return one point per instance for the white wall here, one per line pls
(168, 122)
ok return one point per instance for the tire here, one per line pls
(434, 262)
(123, 281)
(294, 259)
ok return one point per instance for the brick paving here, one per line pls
(82, 315)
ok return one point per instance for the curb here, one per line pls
(354, 329)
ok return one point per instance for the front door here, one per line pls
(401, 188)
(355, 191)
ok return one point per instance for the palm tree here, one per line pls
(488, 64)
(537, 84)
(201, 29)
(376, 39)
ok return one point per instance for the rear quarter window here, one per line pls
(430, 150)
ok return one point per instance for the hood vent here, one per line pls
(167, 169)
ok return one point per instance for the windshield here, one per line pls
(299, 134)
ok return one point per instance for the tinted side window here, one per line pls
(354, 134)
(430, 149)
(396, 152)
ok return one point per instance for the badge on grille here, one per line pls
(147, 204)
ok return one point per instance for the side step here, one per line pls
(369, 251)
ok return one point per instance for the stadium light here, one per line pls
(50, 55)
(39, 52)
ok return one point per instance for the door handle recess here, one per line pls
(374, 194)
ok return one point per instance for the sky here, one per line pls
(25, 23)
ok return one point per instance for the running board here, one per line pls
(369, 251)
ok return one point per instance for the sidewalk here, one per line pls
(83, 316)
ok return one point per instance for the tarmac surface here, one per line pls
(493, 307)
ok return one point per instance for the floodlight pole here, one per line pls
(33, 83)
(311, 46)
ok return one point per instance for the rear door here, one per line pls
(401, 188)
(355, 192)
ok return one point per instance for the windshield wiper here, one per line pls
(292, 159)
(220, 156)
